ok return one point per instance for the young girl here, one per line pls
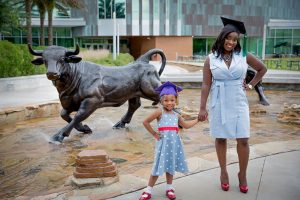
(169, 154)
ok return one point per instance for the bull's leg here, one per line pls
(79, 127)
(133, 105)
(87, 107)
(262, 98)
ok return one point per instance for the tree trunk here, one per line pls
(42, 34)
(50, 27)
(28, 4)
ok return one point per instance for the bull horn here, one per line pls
(76, 52)
(34, 52)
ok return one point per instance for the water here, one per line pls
(31, 166)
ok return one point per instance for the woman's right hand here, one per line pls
(202, 116)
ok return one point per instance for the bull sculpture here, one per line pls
(84, 86)
(258, 87)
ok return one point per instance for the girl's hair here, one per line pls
(218, 46)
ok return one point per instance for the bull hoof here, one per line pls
(265, 103)
(83, 128)
(87, 130)
(57, 138)
(119, 125)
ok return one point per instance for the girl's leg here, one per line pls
(243, 154)
(169, 178)
(152, 180)
(148, 190)
(170, 193)
(221, 148)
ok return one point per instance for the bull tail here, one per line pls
(147, 57)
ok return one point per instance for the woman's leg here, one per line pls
(243, 154)
(221, 148)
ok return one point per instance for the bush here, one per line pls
(122, 59)
(10, 59)
(15, 60)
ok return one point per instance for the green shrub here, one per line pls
(10, 59)
(121, 59)
(15, 60)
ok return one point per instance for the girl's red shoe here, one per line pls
(145, 196)
(171, 194)
(225, 186)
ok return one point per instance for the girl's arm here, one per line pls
(155, 115)
(257, 65)
(205, 88)
(187, 124)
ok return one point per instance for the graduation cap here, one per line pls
(168, 88)
(238, 27)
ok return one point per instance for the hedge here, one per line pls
(15, 60)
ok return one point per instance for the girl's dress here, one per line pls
(169, 154)
(229, 110)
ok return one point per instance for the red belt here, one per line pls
(168, 128)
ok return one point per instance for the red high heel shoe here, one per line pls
(225, 186)
(243, 188)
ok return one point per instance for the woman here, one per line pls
(223, 75)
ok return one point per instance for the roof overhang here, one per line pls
(60, 22)
(283, 24)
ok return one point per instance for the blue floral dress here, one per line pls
(169, 154)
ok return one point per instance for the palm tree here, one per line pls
(8, 17)
(50, 4)
(28, 5)
(42, 11)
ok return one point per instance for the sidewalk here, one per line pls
(275, 177)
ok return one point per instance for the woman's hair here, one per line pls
(218, 46)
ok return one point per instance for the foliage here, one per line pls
(8, 17)
(122, 59)
(15, 60)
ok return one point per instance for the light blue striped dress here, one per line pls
(228, 109)
(169, 154)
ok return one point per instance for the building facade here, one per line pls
(179, 27)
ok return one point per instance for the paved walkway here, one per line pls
(275, 177)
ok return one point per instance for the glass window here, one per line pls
(107, 7)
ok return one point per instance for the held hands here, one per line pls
(203, 115)
(156, 135)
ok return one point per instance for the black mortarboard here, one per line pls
(240, 27)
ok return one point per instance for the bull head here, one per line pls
(54, 58)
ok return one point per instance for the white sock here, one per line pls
(148, 189)
(169, 187)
